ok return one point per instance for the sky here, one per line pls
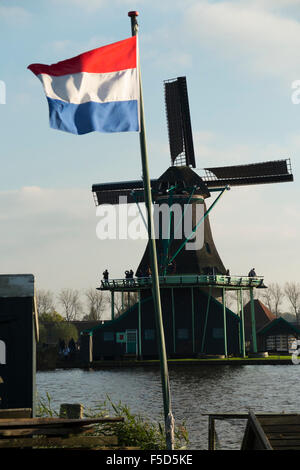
(240, 58)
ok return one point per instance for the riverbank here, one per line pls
(131, 363)
(195, 362)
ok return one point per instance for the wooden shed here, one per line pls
(19, 332)
(272, 432)
(263, 316)
(278, 335)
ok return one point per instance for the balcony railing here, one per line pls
(184, 280)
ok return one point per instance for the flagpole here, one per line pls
(169, 420)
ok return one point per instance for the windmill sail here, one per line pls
(179, 122)
(254, 173)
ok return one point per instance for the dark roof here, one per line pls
(279, 326)
(182, 174)
(109, 193)
(263, 316)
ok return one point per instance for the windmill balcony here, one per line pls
(230, 282)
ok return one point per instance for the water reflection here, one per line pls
(195, 391)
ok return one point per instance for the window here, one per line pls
(183, 333)
(149, 334)
(277, 343)
(108, 336)
(218, 333)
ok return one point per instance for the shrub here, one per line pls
(135, 431)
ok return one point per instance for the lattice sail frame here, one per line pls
(179, 122)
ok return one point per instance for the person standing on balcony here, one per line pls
(105, 276)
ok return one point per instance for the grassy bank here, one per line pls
(271, 360)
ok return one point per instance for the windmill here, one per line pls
(180, 183)
(191, 280)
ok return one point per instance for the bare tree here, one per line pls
(96, 303)
(44, 301)
(231, 300)
(273, 297)
(69, 299)
(292, 291)
(129, 299)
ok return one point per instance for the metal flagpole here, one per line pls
(169, 420)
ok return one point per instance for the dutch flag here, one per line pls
(94, 91)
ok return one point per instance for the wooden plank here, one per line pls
(278, 443)
(288, 448)
(11, 413)
(282, 428)
(45, 431)
(259, 432)
(211, 434)
(283, 435)
(278, 420)
(60, 422)
(71, 442)
(246, 415)
(82, 449)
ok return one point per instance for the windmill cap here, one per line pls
(183, 174)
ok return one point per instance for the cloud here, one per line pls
(278, 5)
(213, 147)
(252, 35)
(65, 48)
(51, 233)
(14, 15)
(254, 225)
(88, 5)
(92, 5)
(251, 227)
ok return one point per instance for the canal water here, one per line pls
(195, 391)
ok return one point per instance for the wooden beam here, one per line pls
(58, 442)
(11, 413)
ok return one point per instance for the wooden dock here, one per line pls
(264, 431)
(20, 431)
(273, 432)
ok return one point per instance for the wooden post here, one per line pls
(193, 319)
(211, 433)
(173, 318)
(140, 324)
(239, 315)
(224, 321)
(253, 324)
(206, 318)
(242, 323)
(71, 410)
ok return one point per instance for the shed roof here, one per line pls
(263, 316)
(279, 326)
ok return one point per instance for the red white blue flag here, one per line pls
(94, 91)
